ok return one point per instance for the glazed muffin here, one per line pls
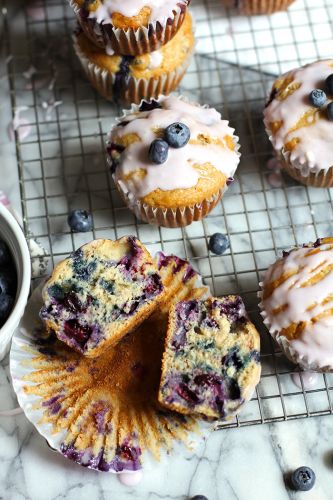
(132, 27)
(297, 304)
(299, 121)
(255, 7)
(100, 293)
(172, 159)
(211, 362)
(129, 79)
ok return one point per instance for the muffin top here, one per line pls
(190, 173)
(131, 13)
(153, 65)
(299, 125)
(297, 300)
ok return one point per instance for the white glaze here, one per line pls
(178, 171)
(314, 151)
(309, 379)
(303, 303)
(160, 9)
(130, 478)
(156, 59)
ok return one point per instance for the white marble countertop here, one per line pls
(248, 463)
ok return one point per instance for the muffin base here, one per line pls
(131, 41)
(323, 179)
(255, 7)
(136, 89)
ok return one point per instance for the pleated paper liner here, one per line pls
(131, 41)
(102, 413)
(135, 89)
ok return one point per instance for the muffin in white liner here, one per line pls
(161, 26)
(297, 304)
(129, 79)
(102, 413)
(190, 182)
(300, 128)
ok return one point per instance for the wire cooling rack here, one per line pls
(60, 129)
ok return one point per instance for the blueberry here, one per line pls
(329, 84)
(7, 282)
(199, 497)
(80, 221)
(177, 135)
(5, 257)
(158, 151)
(218, 243)
(6, 304)
(303, 479)
(317, 98)
(329, 111)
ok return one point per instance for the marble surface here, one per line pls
(249, 463)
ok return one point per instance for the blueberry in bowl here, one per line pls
(15, 274)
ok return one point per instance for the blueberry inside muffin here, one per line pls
(211, 361)
(99, 293)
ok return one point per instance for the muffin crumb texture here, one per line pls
(211, 362)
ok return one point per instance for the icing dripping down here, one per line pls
(309, 379)
(178, 171)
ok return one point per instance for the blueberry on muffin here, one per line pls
(211, 363)
(100, 293)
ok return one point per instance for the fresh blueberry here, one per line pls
(5, 257)
(80, 221)
(177, 135)
(199, 497)
(303, 479)
(317, 98)
(158, 151)
(329, 84)
(6, 304)
(7, 282)
(218, 243)
(330, 111)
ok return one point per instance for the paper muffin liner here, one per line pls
(302, 173)
(255, 7)
(101, 413)
(136, 89)
(131, 41)
(168, 217)
(286, 345)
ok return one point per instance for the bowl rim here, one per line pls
(23, 293)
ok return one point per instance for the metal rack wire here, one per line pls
(62, 163)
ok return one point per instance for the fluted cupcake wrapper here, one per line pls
(302, 172)
(256, 7)
(286, 345)
(135, 89)
(131, 41)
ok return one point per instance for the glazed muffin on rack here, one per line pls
(130, 27)
(129, 79)
(297, 304)
(172, 160)
(299, 121)
(211, 362)
(100, 293)
(255, 7)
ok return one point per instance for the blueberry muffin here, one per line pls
(128, 79)
(172, 160)
(297, 304)
(255, 7)
(299, 121)
(100, 293)
(211, 363)
(130, 27)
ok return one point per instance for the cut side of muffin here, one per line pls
(211, 363)
(100, 293)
